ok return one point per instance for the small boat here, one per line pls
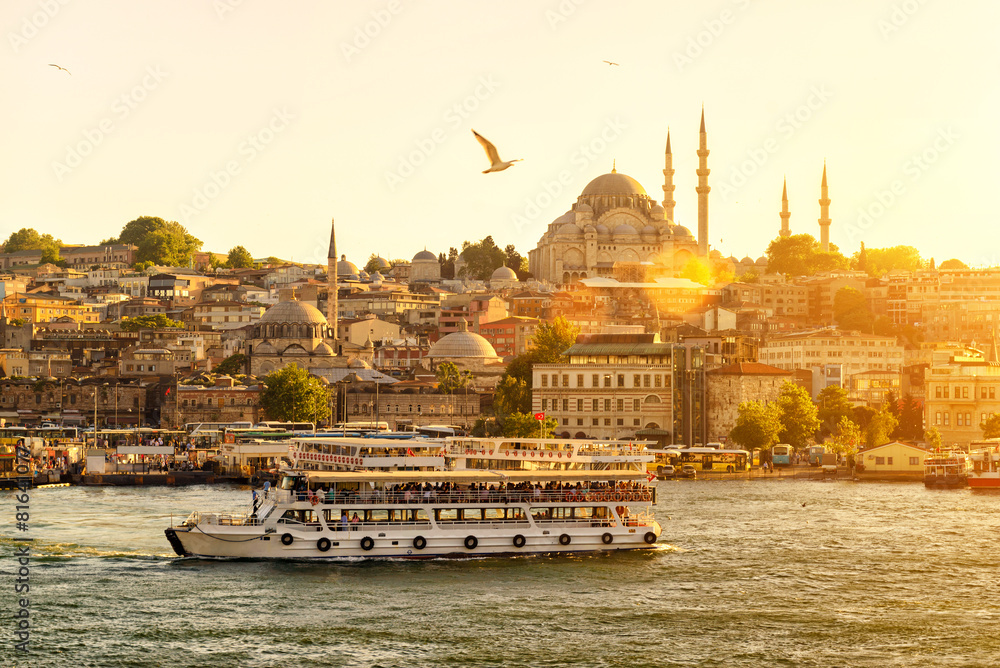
(947, 469)
(985, 473)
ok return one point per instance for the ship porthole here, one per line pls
(471, 542)
(650, 538)
(323, 544)
(607, 539)
(519, 540)
(565, 539)
(286, 539)
(419, 542)
(367, 543)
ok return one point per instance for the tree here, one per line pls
(798, 415)
(293, 395)
(697, 270)
(757, 425)
(551, 340)
(802, 255)
(953, 263)
(159, 241)
(991, 426)
(880, 428)
(239, 258)
(511, 396)
(448, 263)
(513, 259)
(158, 321)
(846, 437)
(27, 238)
(516, 425)
(880, 261)
(832, 405)
(863, 415)
(232, 365)
(933, 438)
(911, 419)
(850, 310)
(450, 379)
(481, 259)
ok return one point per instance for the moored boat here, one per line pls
(947, 469)
(985, 473)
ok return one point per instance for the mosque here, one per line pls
(615, 220)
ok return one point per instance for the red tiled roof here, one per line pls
(751, 369)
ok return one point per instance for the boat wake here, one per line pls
(42, 551)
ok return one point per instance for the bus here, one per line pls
(703, 459)
(781, 455)
(816, 453)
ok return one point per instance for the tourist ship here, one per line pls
(985, 473)
(461, 497)
(947, 469)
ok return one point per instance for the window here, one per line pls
(545, 402)
(621, 380)
(645, 380)
(947, 419)
(982, 393)
(965, 392)
(937, 392)
(635, 422)
(636, 380)
(993, 393)
(594, 382)
(565, 380)
(595, 421)
(620, 405)
(607, 404)
(565, 405)
(595, 404)
(621, 422)
(888, 460)
(579, 422)
(545, 380)
(968, 419)
(658, 381)
(879, 461)
(607, 422)
(607, 381)
(635, 405)
(937, 418)
(914, 461)
(579, 380)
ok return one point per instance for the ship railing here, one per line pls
(624, 497)
(221, 519)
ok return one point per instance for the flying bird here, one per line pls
(611, 63)
(496, 164)
(60, 68)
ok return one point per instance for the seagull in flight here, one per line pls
(60, 68)
(496, 164)
(611, 63)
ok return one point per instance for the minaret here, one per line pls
(331, 281)
(668, 182)
(703, 188)
(824, 215)
(785, 213)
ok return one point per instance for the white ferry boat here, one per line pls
(483, 500)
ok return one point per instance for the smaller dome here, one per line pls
(583, 207)
(568, 217)
(503, 273)
(732, 258)
(656, 212)
(681, 231)
(601, 228)
(761, 261)
(569, 229)
(424, 255)
(345, 267)
(624, 229)
(649, 229)
(715, 255)
(357, 364)
(377, 277)
(323, 349)
(294, 349)
(381, 263)
(363, 275)
(747, 260)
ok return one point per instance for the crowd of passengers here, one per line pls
(504, 492)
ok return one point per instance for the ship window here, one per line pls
(471, 514)
(447, 515)
(541, 514)
(378, 515)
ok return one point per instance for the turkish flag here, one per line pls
(539, 416)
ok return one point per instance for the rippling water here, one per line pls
(745, 575)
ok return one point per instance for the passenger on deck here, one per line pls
(343, 520)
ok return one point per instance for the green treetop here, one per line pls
(293, 395)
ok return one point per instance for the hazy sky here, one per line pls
(254, 122)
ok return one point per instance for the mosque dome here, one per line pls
(293, 311)
(569, 228)
(583, 207)
(601, 228)
(462, 344)
(503, 273)
(649, 229)
(614, 184)
(323, 349)
(377, 277)
(681, 231)
(624, 229)
(381, 263)
(265, 348)
(424, 255)
(568, 217)
(356, 363)
(732, 258)
(761, 261)
(747, 260)
(714, 254)
(656, 212)
(345, 267)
